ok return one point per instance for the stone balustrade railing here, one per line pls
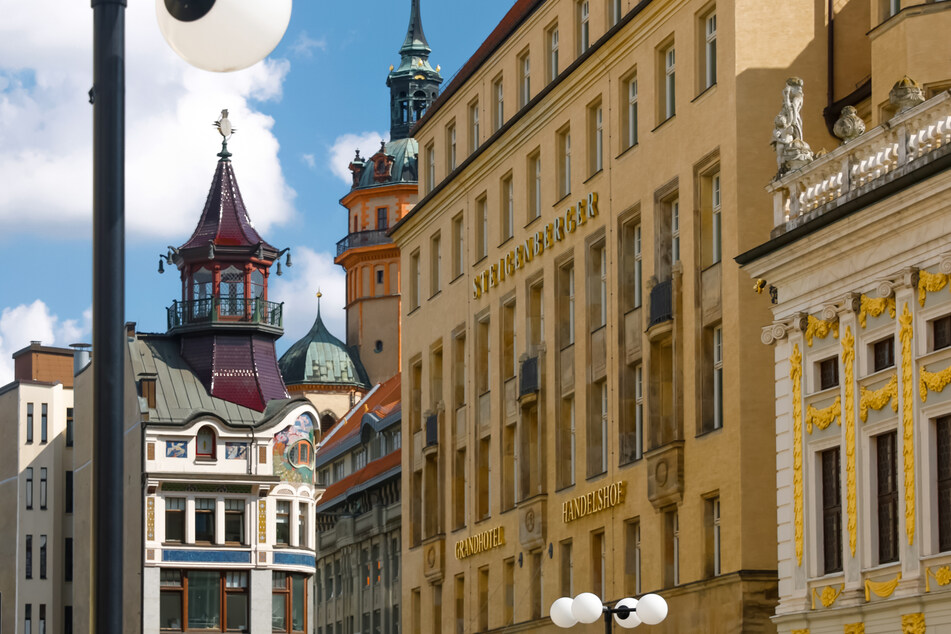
(855, 167)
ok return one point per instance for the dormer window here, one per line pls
(205, 443)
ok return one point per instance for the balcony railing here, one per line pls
(216, 310)
(362, 239)
(855, 167)
(661, 303)
(432, 430)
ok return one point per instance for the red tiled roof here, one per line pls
(381, 403)
(367, 473)
(515, 16)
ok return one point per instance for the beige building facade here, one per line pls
(583, 384)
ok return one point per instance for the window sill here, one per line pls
(562, 199)
(435, 295)
(533, 221)
(416, 308)
(709, 89)
(664, 122)
(206, 459)
(631, 462)
(479, 261)
(457, 277)
(596, 476)
(708, 432)
(626, 150)
(593, 176)
(503, 242)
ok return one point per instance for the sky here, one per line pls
(299, 116)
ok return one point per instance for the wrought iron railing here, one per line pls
(661, 303)
(228, 310)
(362, 239)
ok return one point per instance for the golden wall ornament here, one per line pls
(874, 307)
(882, 589)
(828, 595)
(805, 631)
(262, 521)
(941, 575)
(795, 373)
(877, 399)
(929, 283)
(848, 360)
(820, 328)
(908, 423)
(150, 518)
(824, 417)
(934, 381)
(913, 623)
(853, 628)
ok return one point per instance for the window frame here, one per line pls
(212, 454)
(177, 515)
(205, 512)
(552, 43)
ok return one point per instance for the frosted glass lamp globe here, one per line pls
(587, 607)
(652, 609)
(632, 620)
(561, 612)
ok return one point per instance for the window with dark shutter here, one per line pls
(944, 482)
(887, 497)
(831, 512)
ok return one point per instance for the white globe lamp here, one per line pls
(652, 609)
(223, 35)
(561, 612)
(632, 620)
(587, 607)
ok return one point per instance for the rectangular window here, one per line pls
(28, 568)
(524, 80)
(288, 602)
(68, 560)
(718, 377)
(508, 590)
(940, 335)
(68, 497)
(564, 167)
(44, 422)
(943, 433)
(414, 280)
(175, 520)
(711, 514)
(460, 604)
(498, 94)
(887, 481)
(597, 562)
(382, 218)
(883, 354)
(552, 40)
(435, 264)
(482, 227)
(29, 488)
(430, 167)
(42, 618)
(507, 207)
(638, 411)
(894, 6)
(831, 512)
(205, 520)
(614, 12)
(630, 121)
(829, 373)
(675, 230)
(716, 232)
(474, 126)
(234, 521)
(283, 523)
(43, 488)
(69, 426)
(668, 85)
(451, 145)
(28, 619)
(584, 33)
(595, 138)
(638, 268)
(536, 583)
(458, 246)
(632, 557)
(708, 50)
(29, 423)
(68, 619)
(483, 598)
(42, 556)
(535, 188)
(567, 569)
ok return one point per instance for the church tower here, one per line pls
(385, 187)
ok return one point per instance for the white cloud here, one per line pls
(341, 152)
(305, 45)
(309, 160)
(46, 131)
(297, 288)
(25, 323)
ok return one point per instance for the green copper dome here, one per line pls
(319, 358)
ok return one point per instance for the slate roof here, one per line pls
(322, 359)
(180, 395)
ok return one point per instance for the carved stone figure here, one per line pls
(792, 151)
(906, 94)
(849, 126)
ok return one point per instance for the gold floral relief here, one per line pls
(874, 307)
(908, 423)
(824, 417)
(941, 575)
(805, 631)
(848, 360)
(882, 589)
(795, 373)
(818, 328)
(262, 521)
(828, 595)
(929, 283)
(150, 518)
(913, 623)
(853, 628)
(877, 399)
(934, 381)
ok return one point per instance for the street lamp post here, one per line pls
(628, 612)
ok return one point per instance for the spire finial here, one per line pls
(226, 130)
(319, 295)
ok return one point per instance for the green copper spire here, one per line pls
(415, 42)
(414, 84)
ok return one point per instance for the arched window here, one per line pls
(327, 421)
(419, 104)
(206, 443)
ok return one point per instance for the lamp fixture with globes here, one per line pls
(628, 612)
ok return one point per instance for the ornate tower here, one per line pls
(225, 323)
(385, 187)
(414, 84)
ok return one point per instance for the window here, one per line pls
(430, 167)
(602, 257)
(69, 426)
(28, 619)
(451, 145)
(359, 459)
(713, 382)
(887, 485)
(597, 562)
(28, 568)
(668, 84)
(708, 50)
(508, 589)
(632, 557)
(435, 264)
(175, 519)
(215, 600)
(234, 521)
(483, 599)
(68, 497)
(482, 228)
(831, 512)
(711, 512)
(289, 602)
(283, 523)
(552, 39)
(460, 604)
(42, 556)
(536, 583)
(629, 122)
(205, 520)
(892, 7)
(68, 560)
(382, 218)
(68, 619)
(716, 231)
(570, 299)
(829, 373)
(635, 445)
(29, 488)
(535, 186)
(940, 335)
(671, 548)
(205, 443)
(44, 422)
(638, 268)
(595, 138)
(567, 569)
(507, 208)
(883, 354)
(498, 94)
(43, 488)
(458, 246)
(473, 126)
(414, 280)
(675, 230)
(42, 618)
(583, 27)
(564, 167)
(524, 79)
(29, 423)
(943, 433)
(614, 12)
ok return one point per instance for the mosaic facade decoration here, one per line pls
(294, 451)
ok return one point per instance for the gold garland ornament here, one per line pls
(882, 589)
(824, 417)
(874, 307)
(913, 623)
(942, 576)
(934, 381)
(795, 373)
(929, 283)
(828, 595)
(848, 360)
(805, 631)
(853, 628)
(818, 328)
(908, 422)
(877, 399)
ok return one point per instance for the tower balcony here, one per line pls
(362, 239)
(227, 312)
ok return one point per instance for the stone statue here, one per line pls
(906, 94)
(792, 151)
(849, 126)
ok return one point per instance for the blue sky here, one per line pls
(299, 115)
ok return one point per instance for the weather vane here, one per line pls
(226, 130)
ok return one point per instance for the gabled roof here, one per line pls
(357, 481)
(319, 358)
